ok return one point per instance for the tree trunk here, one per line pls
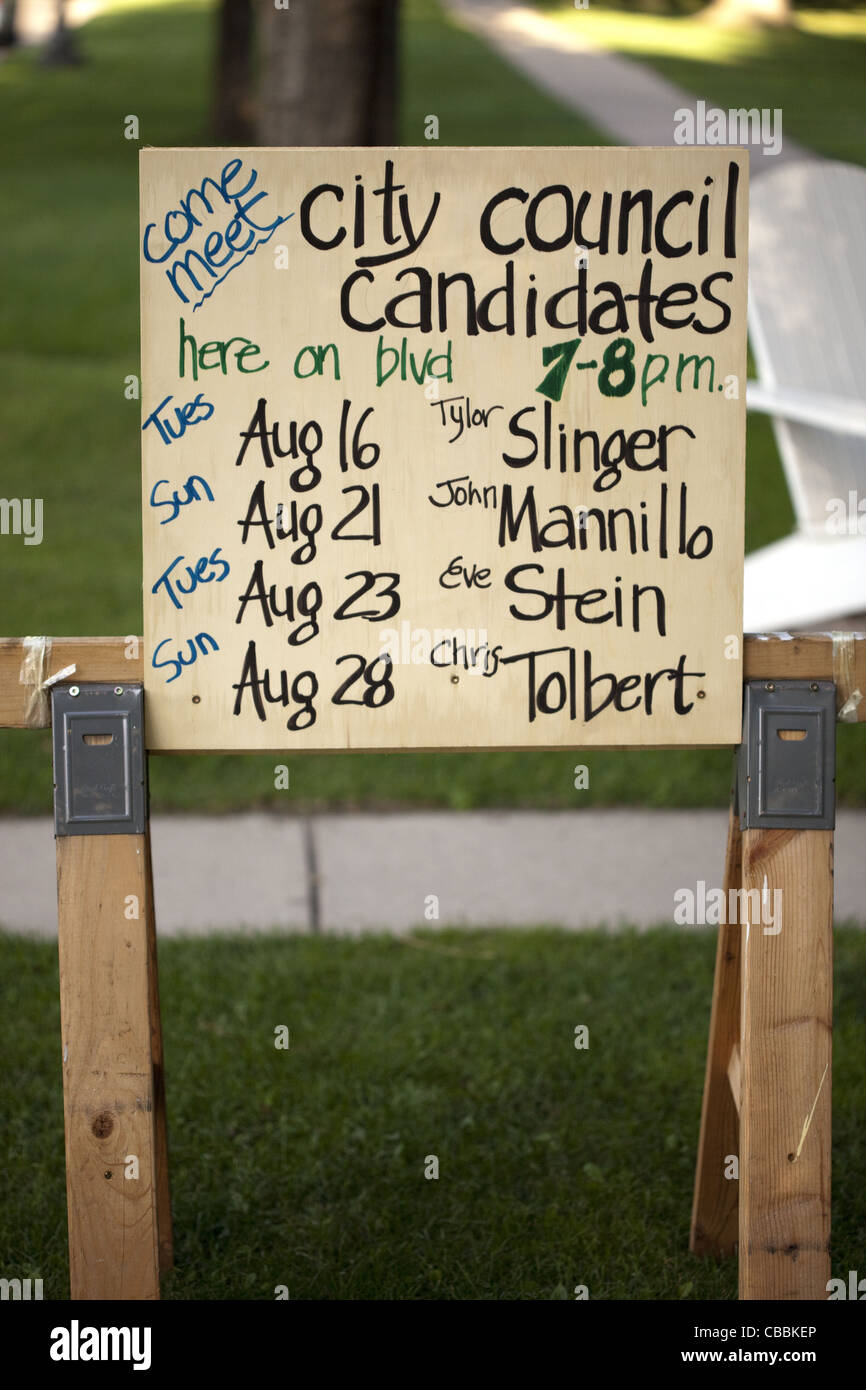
(329, 73)
(61, 50)
(234, 118)
(8, 35)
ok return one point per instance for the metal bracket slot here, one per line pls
(786, 764)
(100, 769)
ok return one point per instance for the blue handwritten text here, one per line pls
(197, 575)
(195, 646)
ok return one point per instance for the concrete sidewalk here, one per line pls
(621, 97)
(353, 873)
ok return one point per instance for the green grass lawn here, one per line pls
(304, 1167)
(813, 71)
(69, 337)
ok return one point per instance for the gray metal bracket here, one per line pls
(100, 767)
(786, 763)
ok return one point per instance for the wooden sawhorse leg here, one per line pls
(163, 1185)
(785, 1049)
(767, 1092)
(715, 1219)
(113, 1090)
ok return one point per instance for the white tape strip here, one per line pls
(37, 656)
(847, 698)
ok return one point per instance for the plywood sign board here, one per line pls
(443, 448)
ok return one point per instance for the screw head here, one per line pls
(814, 685)
(702, 694)
(118, 690)
(196, 699)
(770, 686)
(73, 690)
(454, 680)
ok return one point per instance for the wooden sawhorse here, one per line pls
(768, 1079)
(119, 1208)
(762, 1186)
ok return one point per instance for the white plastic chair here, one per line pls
(807, 322)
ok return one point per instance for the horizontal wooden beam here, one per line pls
(806, 657)
(116, 659)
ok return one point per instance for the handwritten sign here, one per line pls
(443, 448)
